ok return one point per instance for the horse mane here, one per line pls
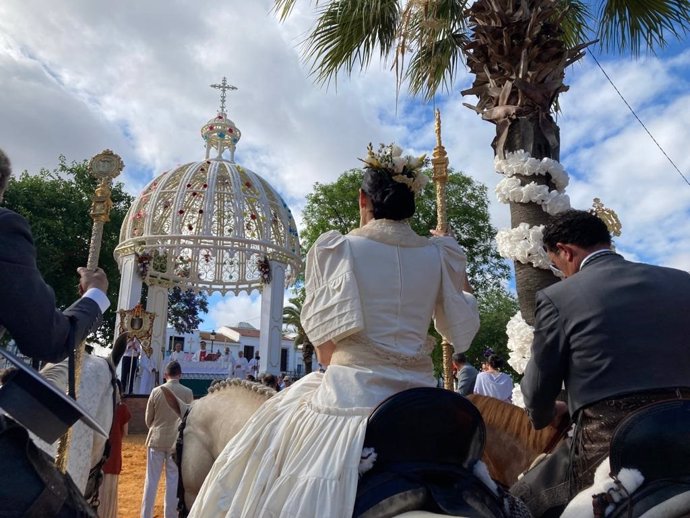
(513, 420)
(253, 386)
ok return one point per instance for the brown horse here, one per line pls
(512, 443)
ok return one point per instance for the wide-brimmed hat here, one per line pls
(39, 405)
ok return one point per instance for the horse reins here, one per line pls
(179, 448)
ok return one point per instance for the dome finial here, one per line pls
(220, 133)
(223, 86)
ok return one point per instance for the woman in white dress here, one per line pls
(370, 296)
(494, 383)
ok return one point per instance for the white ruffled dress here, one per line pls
(373, 292)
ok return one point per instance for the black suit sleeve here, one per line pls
(27, 303)
(547, 366)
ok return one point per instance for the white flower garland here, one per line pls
(517, 398)
(520, 336)
(510, 189)
(520, 162)
(523, 243)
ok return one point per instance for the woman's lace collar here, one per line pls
(390, 232)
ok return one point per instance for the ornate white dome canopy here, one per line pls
(205, 225)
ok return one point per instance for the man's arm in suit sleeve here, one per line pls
(546, 368)
(27, 303)
(465, 382)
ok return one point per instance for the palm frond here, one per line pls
(348, 33)
(432, 32)
(630, 25)
(576, 21)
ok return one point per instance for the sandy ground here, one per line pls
(131, 483)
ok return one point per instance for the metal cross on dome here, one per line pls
(223, 86)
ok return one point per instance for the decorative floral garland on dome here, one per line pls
(551, 201)
(525, 244)
(402, 169)
(264, 267)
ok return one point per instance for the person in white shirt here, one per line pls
(178, 354)
(200, 355)
(130, 364)
(254, 365)
(149, 374)
(228, 361)
(241, 366)
(494, 383)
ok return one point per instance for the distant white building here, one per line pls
(242, 337)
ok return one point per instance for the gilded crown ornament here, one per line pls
(608, 216)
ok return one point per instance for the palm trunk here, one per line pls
(525, 133)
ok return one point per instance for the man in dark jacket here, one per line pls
(614, 333)
(27, 303)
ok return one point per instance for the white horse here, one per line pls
(210, 423)
(95, 395)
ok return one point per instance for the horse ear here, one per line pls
(177, 406)
(119, 348)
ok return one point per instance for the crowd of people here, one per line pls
(613, 334)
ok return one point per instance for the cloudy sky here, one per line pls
(82, 76)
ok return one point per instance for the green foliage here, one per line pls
(334, 206)
(496, 307)
(291, 318)
(56, 204)
(184, 308)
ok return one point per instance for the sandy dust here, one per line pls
(131, 483)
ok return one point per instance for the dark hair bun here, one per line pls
(495, 361)
(390, 199)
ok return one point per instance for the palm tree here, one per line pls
(518, 51)
(291, 317)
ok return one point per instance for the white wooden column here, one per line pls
(130, 288)
(272, 320)
(157, 302)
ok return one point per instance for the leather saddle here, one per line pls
(427, 441)
(655, 440)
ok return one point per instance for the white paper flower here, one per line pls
(520, 336)
(521, 163)
(518, 399)
(396, 150)
(399, 164)
(523, 243)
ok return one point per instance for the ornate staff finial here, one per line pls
(440, 164)
(223, 86)
(104, 167)
(608, 216)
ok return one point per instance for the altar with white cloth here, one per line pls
(204, 370)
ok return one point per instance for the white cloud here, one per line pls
(133, 77)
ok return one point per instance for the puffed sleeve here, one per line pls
(332, 309)
(456, 315)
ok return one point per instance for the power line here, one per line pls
(638, 119)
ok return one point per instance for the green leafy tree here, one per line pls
(185, 308)
(518, 52)
(334, 206)
(56, 204)
(291, 318)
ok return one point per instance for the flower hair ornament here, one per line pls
(402, 169)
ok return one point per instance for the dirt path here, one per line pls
(131, 483)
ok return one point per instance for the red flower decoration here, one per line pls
(189, 185)
(201, 211)
(190, 227)
(248, 184)
(181, 211)
(194, 194)
(253, 216)
(210, 127)
(205, 185)
(229, 130)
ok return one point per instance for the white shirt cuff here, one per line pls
(98, 297)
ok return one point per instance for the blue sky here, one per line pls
(133, 77)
